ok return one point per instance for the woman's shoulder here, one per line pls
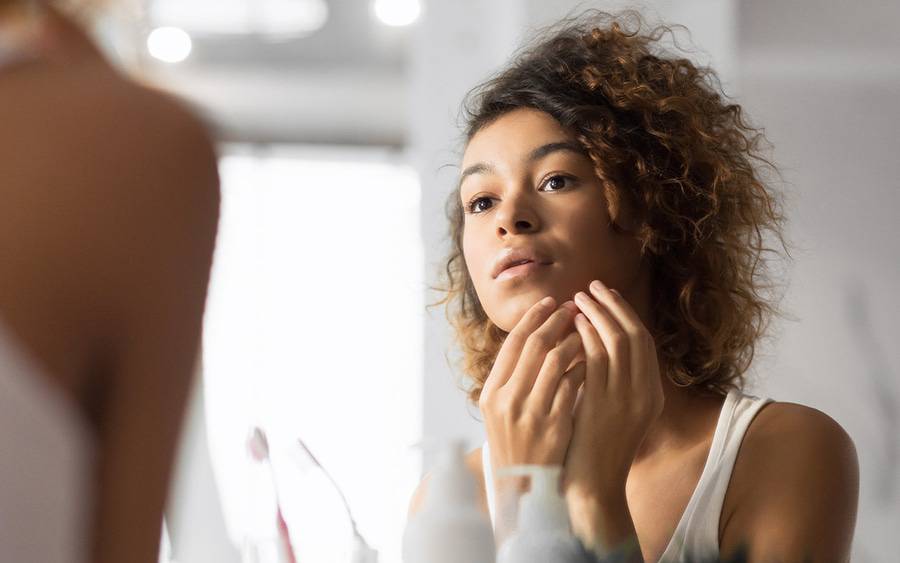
(785, 433)
(110, 188)
(78, 132)
(793, 452)
(88, 106)
(779, 420)
(90, 150)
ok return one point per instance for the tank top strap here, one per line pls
(47, 464)
(697, 533)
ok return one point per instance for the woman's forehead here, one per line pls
(513, 136)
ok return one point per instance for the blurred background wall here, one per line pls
(350, 81)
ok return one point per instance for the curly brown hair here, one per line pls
(664, 137)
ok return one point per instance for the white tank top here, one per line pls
(46, 464)
(697, 533)
(46, 448)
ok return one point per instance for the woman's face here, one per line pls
(527, 184)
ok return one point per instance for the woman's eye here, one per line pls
(556, 182)
(472, 206)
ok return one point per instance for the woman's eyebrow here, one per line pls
(535, 155)
(550, 148)
(477, 168)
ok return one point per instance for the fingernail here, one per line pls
(597, 285)
(570, 305)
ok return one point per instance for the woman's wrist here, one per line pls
(603, 525)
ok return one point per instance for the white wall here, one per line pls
(824, 81)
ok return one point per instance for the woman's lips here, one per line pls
(521, 270)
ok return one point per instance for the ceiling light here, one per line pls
(169, 44)
(397, 12)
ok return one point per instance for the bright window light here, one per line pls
(397, 12)
(313, 329)
(169, 44)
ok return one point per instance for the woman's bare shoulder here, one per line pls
(89, 108)
(110, 201)
(101, 159)
(795, 453)
(778, 419)
(783, 431)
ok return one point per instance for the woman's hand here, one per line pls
(620, 399)
(528, 398)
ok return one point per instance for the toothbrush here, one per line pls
(258, 446)
(363, 551)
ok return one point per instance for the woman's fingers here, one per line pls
(614, 339)
(535, 351)
(631, 325)
(596, 357)
(621, 309)
(564, 400)
(517, 430)
(509, 353)
(555, 364)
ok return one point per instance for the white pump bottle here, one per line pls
(542, 532)
(450, 527)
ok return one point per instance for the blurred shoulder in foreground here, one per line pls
(110, 208)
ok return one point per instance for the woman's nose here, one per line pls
(516, 226)
(516, 216)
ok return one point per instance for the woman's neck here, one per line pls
(688, 415)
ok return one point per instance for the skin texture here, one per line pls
(107, 229)
(635, 445)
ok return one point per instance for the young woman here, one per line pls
(631, 189)
(109, 208)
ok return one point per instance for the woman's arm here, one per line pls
(168, 229)
(798, 488)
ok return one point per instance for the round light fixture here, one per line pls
(169, 44)
(397, 12)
